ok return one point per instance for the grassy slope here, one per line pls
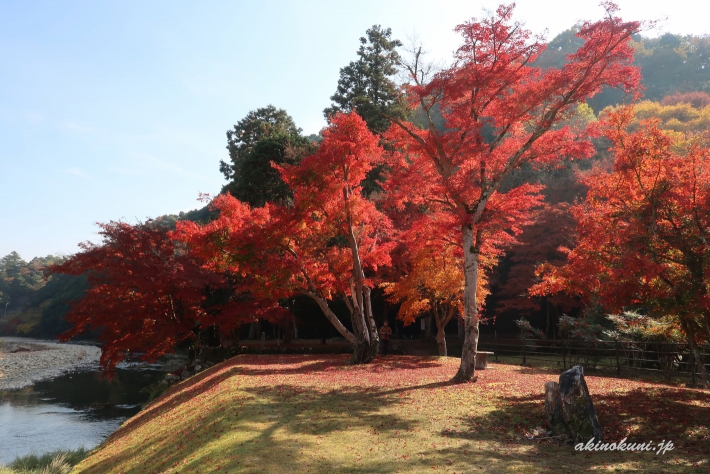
(318, 414)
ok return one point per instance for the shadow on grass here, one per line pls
(265, 365)
(242, 365)
(290, 410)
(642, 415)
(267, 426)
(658, 414)
(290, 427)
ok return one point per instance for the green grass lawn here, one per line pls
(298, 413)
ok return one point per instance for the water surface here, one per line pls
(74, 410)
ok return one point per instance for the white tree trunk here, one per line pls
(690, 336)
(366, 335)
(471, 250)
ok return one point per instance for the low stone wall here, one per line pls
(26, 361)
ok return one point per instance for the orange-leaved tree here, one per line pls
(328, 245)
(643, 230)
(430, 277)
(499, 113)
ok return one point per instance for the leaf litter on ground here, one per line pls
(310, 413)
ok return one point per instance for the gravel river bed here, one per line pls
(26, 361)
(53, 396)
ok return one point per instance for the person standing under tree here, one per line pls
(385, 333)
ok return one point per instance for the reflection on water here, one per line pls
(71, 411)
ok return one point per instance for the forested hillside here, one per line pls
(669, 64)
(33, 303)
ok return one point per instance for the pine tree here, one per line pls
(366, 84)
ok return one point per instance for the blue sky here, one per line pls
(118, 109)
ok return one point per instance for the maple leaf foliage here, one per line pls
(329, 244)
(642, 231)
(539, 242)
(429, 275)
(499, 113)
(342, 229)
(146, 293)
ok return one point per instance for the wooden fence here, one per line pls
(667, 359)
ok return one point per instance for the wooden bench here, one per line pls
(482, 359)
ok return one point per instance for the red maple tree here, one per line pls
(328, 245)
(147, 294)
(428, 276)
(539, 242)
(642, 233)
(499, 114)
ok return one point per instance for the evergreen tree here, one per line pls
(265, 135)
(256, 125)
(258, 182)
(366, 84)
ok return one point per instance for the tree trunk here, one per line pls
(441, 342)
(288, 333)
(323, 304)
(690, 335)
(364, 327)
(366, 335)
(467, 369)
(427, 327)
(371, 324)
(706, 322)
(361, 351)
(255, 330)
(361, 346)
(442, 316)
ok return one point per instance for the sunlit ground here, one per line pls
(266, 413)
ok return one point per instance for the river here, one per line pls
(72, 410)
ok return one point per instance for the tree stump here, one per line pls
(578, 409)
(569, 408)
(553, 409)
(482, 360)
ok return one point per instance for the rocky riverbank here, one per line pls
(26, 361)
